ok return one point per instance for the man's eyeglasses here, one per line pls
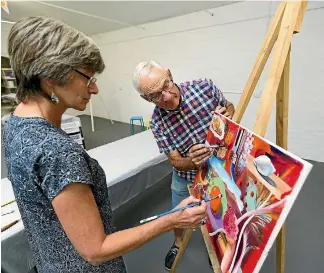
(154, 97)
(91, 80)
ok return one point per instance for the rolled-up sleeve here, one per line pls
(218, 94)
(164, 143)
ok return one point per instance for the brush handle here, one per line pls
(169, 212)
(9, 225)
(181, 208)
(178, 209)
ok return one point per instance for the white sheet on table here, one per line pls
(7, 195)
(128, 156)
(120, 160)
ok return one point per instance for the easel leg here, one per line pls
(182, 248)
(282, 140)
(186, 239)
(280, 250)
(91, 114)
(211, 252)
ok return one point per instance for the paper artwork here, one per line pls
(258, 182)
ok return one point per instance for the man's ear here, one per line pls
(169, 74)
(143, 97)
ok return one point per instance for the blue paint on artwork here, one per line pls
(217, 164)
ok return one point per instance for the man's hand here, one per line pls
(227, 111)
(199, 154)
(222, 110)
(191, 217)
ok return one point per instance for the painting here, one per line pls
(255, 184)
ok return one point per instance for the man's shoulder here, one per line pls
(156, 116)
(201, 82)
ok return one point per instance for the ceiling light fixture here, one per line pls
(87, 14)
(8, 22)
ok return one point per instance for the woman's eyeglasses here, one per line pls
(154, 97)
(91, 80)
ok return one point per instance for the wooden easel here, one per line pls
(286, 21)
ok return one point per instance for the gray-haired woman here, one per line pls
(60, 190)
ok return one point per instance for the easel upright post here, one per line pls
(260, 62)
(282, 140)
(280, 54)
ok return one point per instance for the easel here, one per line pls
(91, 114)
(286, 21)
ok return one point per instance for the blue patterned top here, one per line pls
(42, 159)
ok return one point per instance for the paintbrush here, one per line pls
(178, 209)
(9, 225)
(215, 146)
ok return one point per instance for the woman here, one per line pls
(60, 190)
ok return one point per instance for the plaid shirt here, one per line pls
(188, 125)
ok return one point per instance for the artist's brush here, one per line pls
(178, 209)
(215, 146)
(9, 225)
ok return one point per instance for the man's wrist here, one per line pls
(192, 163)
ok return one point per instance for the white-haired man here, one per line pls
(180, 122)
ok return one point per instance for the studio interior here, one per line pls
(157, 136)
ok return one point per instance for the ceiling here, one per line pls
(93, 17)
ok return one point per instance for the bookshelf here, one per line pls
(8, 87)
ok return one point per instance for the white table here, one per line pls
(131, 165)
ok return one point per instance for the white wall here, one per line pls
(222, 47)
(4, 38)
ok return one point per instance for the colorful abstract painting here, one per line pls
(257, 183)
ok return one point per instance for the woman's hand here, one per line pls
(191, 217)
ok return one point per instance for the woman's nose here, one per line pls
(94, 89)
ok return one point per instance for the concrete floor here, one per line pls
(305, 224)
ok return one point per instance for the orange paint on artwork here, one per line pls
(216, 203)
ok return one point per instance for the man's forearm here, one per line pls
(183, 164)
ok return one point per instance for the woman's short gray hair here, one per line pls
(141, 69)
(41, 47)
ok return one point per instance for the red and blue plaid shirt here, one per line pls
(188, 125)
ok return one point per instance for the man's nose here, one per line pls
(166, 96)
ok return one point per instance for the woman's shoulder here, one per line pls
(37, 134)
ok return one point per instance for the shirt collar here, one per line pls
(182, 99)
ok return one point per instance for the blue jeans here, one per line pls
(179, 189)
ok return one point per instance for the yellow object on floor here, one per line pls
(148, 123)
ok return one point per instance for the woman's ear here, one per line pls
(49, 83)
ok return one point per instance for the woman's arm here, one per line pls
(78, 213)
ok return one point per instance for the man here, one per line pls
(180, 123)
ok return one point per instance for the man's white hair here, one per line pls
(141, 69)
